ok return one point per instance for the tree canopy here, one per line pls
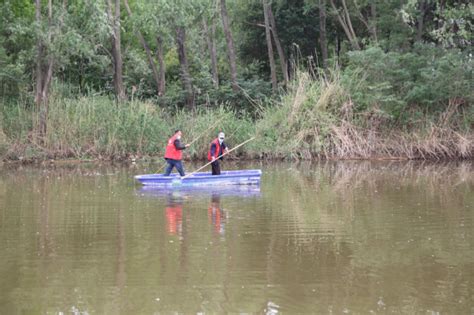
(177, 52)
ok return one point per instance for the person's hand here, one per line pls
(187, 145)
(213, 158)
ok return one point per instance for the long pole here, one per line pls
(225, 153)
(213, 125)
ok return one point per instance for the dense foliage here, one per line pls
(388, 65)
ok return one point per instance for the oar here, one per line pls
(161, 168)
(215, 124)
(225, 153)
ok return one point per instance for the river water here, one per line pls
(324, 238)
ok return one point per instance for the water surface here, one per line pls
(333, 237)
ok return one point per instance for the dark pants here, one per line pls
(176, 164)
(216, 168)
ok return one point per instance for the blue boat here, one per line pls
(241, 177)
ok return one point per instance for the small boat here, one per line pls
(241, 177)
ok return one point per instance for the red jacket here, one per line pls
(171, 151)
(216, 152)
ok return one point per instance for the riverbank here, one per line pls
(314, 119)
(140, 133)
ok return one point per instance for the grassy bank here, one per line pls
(321, 119)
(98, 128)
(315, 118)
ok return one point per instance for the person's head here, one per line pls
(221, 137)
(178, 133)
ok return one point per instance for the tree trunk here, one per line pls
(116, 49)
(421, 19)
(230, 47)
(439, 22)
(322, 33)
(349, 22)
(281, 53)
(373, 21)
(44, 70)
(61, 17)
(215, 72)
(270, 47)
(149, 56)
(346, 24)
(161, 63)
(117, 52)
(39, 59)
(211, 46)
(183, 62)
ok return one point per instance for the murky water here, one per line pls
(341, 238)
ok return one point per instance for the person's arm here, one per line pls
(223, 151)
(213, 151)
(179, 145)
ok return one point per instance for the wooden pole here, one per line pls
(214, 125)
(227, 152)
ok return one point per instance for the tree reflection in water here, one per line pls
(358, 237)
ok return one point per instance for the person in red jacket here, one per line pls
(217, 148)
(174, 153)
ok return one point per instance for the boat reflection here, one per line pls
(181, 192)
(176, 218)
(174, 215)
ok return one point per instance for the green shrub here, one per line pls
(426, 78)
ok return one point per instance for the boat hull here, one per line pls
(240, 177)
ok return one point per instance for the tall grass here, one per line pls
(298, 126)
(314, 118)
(97, 127)
(317, 118)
